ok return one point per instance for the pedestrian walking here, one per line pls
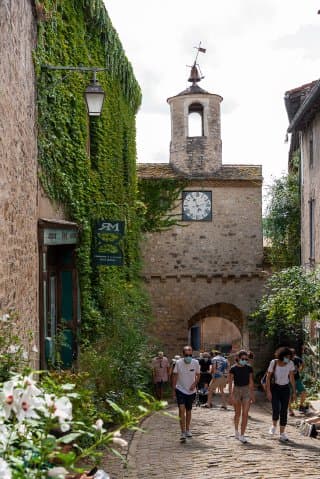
(205, 367)
(186, 375)
(300, 388)
(219, 374)
(280, 374)
(160, 373)
(241, 389)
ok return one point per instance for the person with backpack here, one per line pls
(241, 390)
(219, 373)
(279, 377)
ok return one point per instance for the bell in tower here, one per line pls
(196, 147)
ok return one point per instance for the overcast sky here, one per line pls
(256, 50)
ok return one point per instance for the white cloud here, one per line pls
(256, 50)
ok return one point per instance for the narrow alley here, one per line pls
(214, 452)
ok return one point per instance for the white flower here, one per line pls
(34, 349)
(28, 405)
(60, 408)
(4, 318)
(13, 349)
(58, 472)
(25, 355)
(63, 409)
(99, 425)
(117, 439)
(5, 472)
(67, 387)
(8, 397)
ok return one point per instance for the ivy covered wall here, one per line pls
(100, 185)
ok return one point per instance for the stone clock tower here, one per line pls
(205, 274)
(198, 155)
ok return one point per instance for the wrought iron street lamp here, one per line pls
(94, 96)
(94, 93)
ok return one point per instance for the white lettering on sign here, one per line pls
(109, 228)
(54, 236)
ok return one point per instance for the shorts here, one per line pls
(185, 400)
(299, 386)
(218, 382)
(241, 393)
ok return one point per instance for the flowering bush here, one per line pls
(39, 437)
(36, 426)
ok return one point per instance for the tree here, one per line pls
(292, 295)
(282, 221)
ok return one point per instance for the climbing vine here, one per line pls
(160, 197)
(98, 180)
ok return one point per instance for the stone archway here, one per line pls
(220, 323)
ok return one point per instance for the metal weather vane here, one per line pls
(196, 74)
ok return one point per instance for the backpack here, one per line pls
(263, 381)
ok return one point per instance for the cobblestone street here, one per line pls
(213, 451)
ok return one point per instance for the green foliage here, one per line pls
(100, 185)
(282, 222)
(292, 294)
(160, 197)
(13, 355)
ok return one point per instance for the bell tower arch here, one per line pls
(196, 147)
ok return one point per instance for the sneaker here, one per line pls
(188, 434)
(291, 413)
(243, 439)
(284, 437)
(236, 434)
(183, 437)
(313, 431)
(272, 430)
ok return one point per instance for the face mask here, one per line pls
(187, 359)
(243, 362)
(286, 360)
(206, 360)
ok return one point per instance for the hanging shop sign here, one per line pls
(108, 243)
(57, 236)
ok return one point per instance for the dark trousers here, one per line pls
(280, 403)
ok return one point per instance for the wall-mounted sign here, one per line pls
(57, 236)
(108, 243)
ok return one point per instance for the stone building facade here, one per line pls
(18, 167)
(205, 274)
(303, 108)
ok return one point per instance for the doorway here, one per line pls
(59, 298)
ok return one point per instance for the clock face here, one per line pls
(196, 206)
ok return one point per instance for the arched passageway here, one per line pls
(218, 326)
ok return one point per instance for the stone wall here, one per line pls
(196, 156)
(198, 264)
(229, 244)
(175, 301)
(18, 166)
(310, 190)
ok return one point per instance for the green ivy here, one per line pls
(102, 185)
(160, 197)
(282, 221)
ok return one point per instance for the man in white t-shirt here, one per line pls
(186, 375)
